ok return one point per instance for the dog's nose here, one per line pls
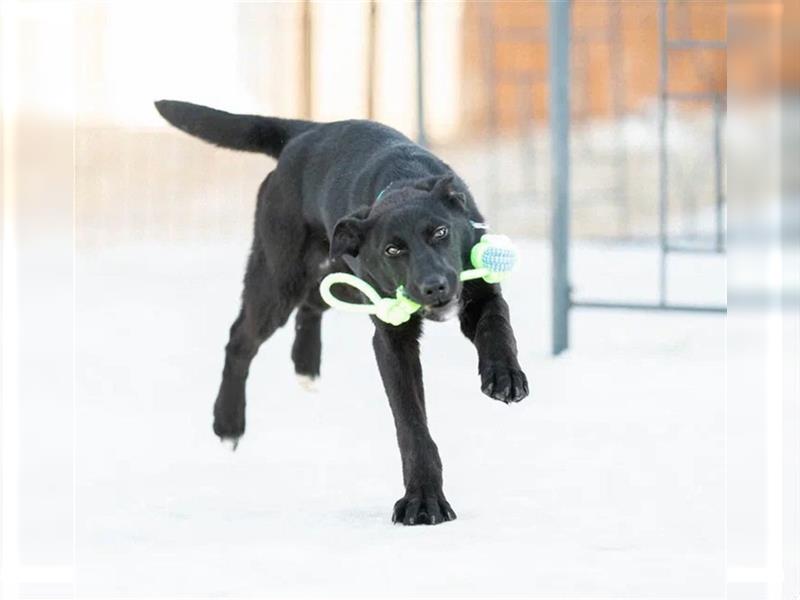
(435, 289)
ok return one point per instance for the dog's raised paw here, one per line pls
(421, 507)
(504, 383)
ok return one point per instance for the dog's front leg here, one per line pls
(485, 321)
(397, 353)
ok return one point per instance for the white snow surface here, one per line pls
(606, 482)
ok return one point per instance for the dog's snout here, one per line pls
(435, 289)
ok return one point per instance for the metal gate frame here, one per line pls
(560, 37)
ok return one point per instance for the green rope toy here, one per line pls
(493, 259)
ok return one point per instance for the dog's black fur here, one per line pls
(317, 213)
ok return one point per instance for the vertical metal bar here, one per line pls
(663, 164)
(421, 136)
(720, 198)
(371, 59)
(306, 78)
(616, 60)
(559, 136)
(527, 143)
(489, 59)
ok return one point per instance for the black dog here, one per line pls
(359, 197)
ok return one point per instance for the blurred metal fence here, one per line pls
(563, 301)
(526, 83)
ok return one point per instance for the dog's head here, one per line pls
(418, 236)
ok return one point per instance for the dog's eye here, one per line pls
(393, 250)
(440, 233)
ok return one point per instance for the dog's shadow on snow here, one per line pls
(363, 516)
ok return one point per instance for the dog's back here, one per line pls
(312, 154)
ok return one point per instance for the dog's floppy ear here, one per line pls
(348, 233)
(427, 184)
(447, 189)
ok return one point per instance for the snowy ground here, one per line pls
(607, 481)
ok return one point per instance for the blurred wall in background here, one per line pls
(615, 57)
(485, 73)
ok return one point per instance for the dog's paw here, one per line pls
(422, 507)
(229, 422)
(229, 442)
(309, 383)
(504, 383)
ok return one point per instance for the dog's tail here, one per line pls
(251, 133)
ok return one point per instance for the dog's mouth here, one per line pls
(441, 311)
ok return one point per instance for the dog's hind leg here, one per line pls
(307, 347)
(263, 311)
(270, 294)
